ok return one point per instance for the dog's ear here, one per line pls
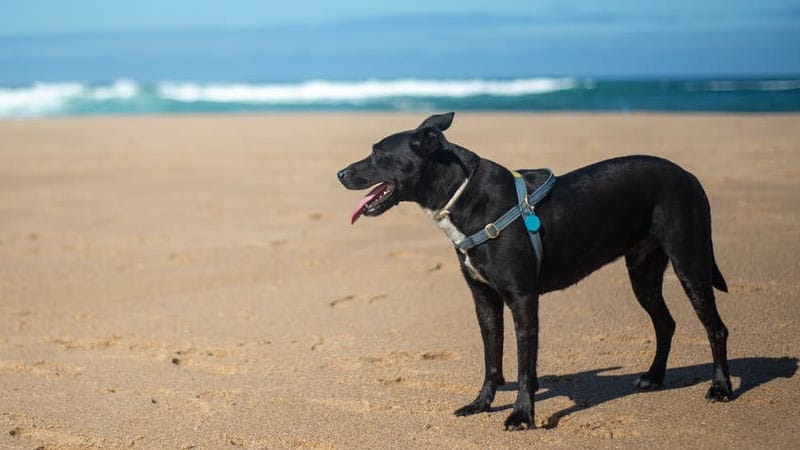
(439, 122)
(427, 140)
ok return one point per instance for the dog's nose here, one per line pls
(342, 174)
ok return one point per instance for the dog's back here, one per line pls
(620, 206)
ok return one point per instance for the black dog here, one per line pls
(645, 208)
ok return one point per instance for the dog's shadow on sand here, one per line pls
(590, 388)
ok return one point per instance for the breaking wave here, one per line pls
(42, 99)
(522, 94)
(333, 91)
(126, 96)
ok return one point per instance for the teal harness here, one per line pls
(525, 209)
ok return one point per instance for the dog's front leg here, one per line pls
(525, 311)
(489, 309)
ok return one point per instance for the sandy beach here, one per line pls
(193, 282)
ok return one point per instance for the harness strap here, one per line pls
(525, 207)
(527, 210)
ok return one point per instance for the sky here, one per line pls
(48, 16)
(359, 38)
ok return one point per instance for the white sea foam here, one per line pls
(330, 91)
(42, 99)
(125, 96)
(37, 99)
(48, 98)
(121, 89)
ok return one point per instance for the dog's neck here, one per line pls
(443, 183)
(444, 211)
(441, 215)
(446, 177)
(470, 201)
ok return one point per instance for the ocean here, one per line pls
(70, 98)
(344, 67)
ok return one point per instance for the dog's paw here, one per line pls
(519, 420)
(719, 392)
(644, 382)
(478, 406)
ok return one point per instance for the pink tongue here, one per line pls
(362, 205)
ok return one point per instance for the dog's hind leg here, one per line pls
(489, 309)
(646, 263)
(691, 252)
(701, 294)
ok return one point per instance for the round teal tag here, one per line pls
(532, 223)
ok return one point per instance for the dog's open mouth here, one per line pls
(375, 202)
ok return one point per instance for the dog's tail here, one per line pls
(717, 280)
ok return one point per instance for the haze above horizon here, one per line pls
(92, 40)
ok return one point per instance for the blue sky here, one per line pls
(249, 39)
(38, 16)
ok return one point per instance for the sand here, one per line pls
(193, 282)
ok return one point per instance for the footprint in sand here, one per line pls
(422, 262)
(275, 243)
(332, 343)
(406, 254)
(432, 267)
(179, 258)
(614, 427)
(70, 343)
(206, 361)
(396, 358)
(391, 380)
(209, 360)
(752, 287)
(353, 299)
(50, 433)
(319, 341)
(41, 368)
(439, 355)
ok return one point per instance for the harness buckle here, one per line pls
(491, 230)
(528, 203)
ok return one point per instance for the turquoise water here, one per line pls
(525, 94)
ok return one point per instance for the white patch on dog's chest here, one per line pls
(455, 235)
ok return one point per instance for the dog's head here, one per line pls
(397, 165)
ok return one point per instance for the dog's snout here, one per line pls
(352, 178)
